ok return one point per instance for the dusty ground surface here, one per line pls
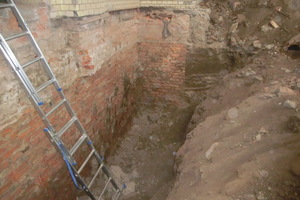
(248, 145)
(147, 153)
(244, 138)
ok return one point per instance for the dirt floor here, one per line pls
(243, 140)
(147, 154)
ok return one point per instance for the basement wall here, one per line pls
(163, 60)
(96, 63)
(166, 61)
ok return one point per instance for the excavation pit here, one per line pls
(141, 80)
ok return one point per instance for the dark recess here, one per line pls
(294, 47)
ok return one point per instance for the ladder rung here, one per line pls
(55, 107)
(106, 185)
(16, 36)
(44, 85)
(77, 144)
(5, 5)
(67, 126)
(86, 160)
(117, 195)
(97, 173)
(31, 62)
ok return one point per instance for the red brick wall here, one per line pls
(163, 60)
(30, 164)
(96, 64)
(163, 69)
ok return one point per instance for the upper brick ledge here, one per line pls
(80, 8)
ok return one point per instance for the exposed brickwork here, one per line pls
(79, 8)
(97, 70)
(175, 4)
(95, 59)
(163, 59)
(163, 68)
(103, 105)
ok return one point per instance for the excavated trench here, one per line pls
(172, 81)
(174, 73)
(144, 157)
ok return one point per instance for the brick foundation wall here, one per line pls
(30, 164)
(162, 59)
(97, 69)
(97, 60)
(163, 70)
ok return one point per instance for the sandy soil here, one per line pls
(248, 145)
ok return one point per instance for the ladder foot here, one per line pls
(41, 103)
(59, 89)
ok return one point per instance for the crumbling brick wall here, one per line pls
(97, 60)
(162, 58)
(96, 67)
(163, 69)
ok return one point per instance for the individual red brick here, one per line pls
(18, 173)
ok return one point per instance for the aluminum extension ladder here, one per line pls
(53, 135)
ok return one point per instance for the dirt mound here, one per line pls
(248, 145)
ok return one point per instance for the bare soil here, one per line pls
(248, 145)
(147, 153)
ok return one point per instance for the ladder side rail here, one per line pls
(105, 170)
(56, 142)
(82, 182)
(96, 154)
(18, 15)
